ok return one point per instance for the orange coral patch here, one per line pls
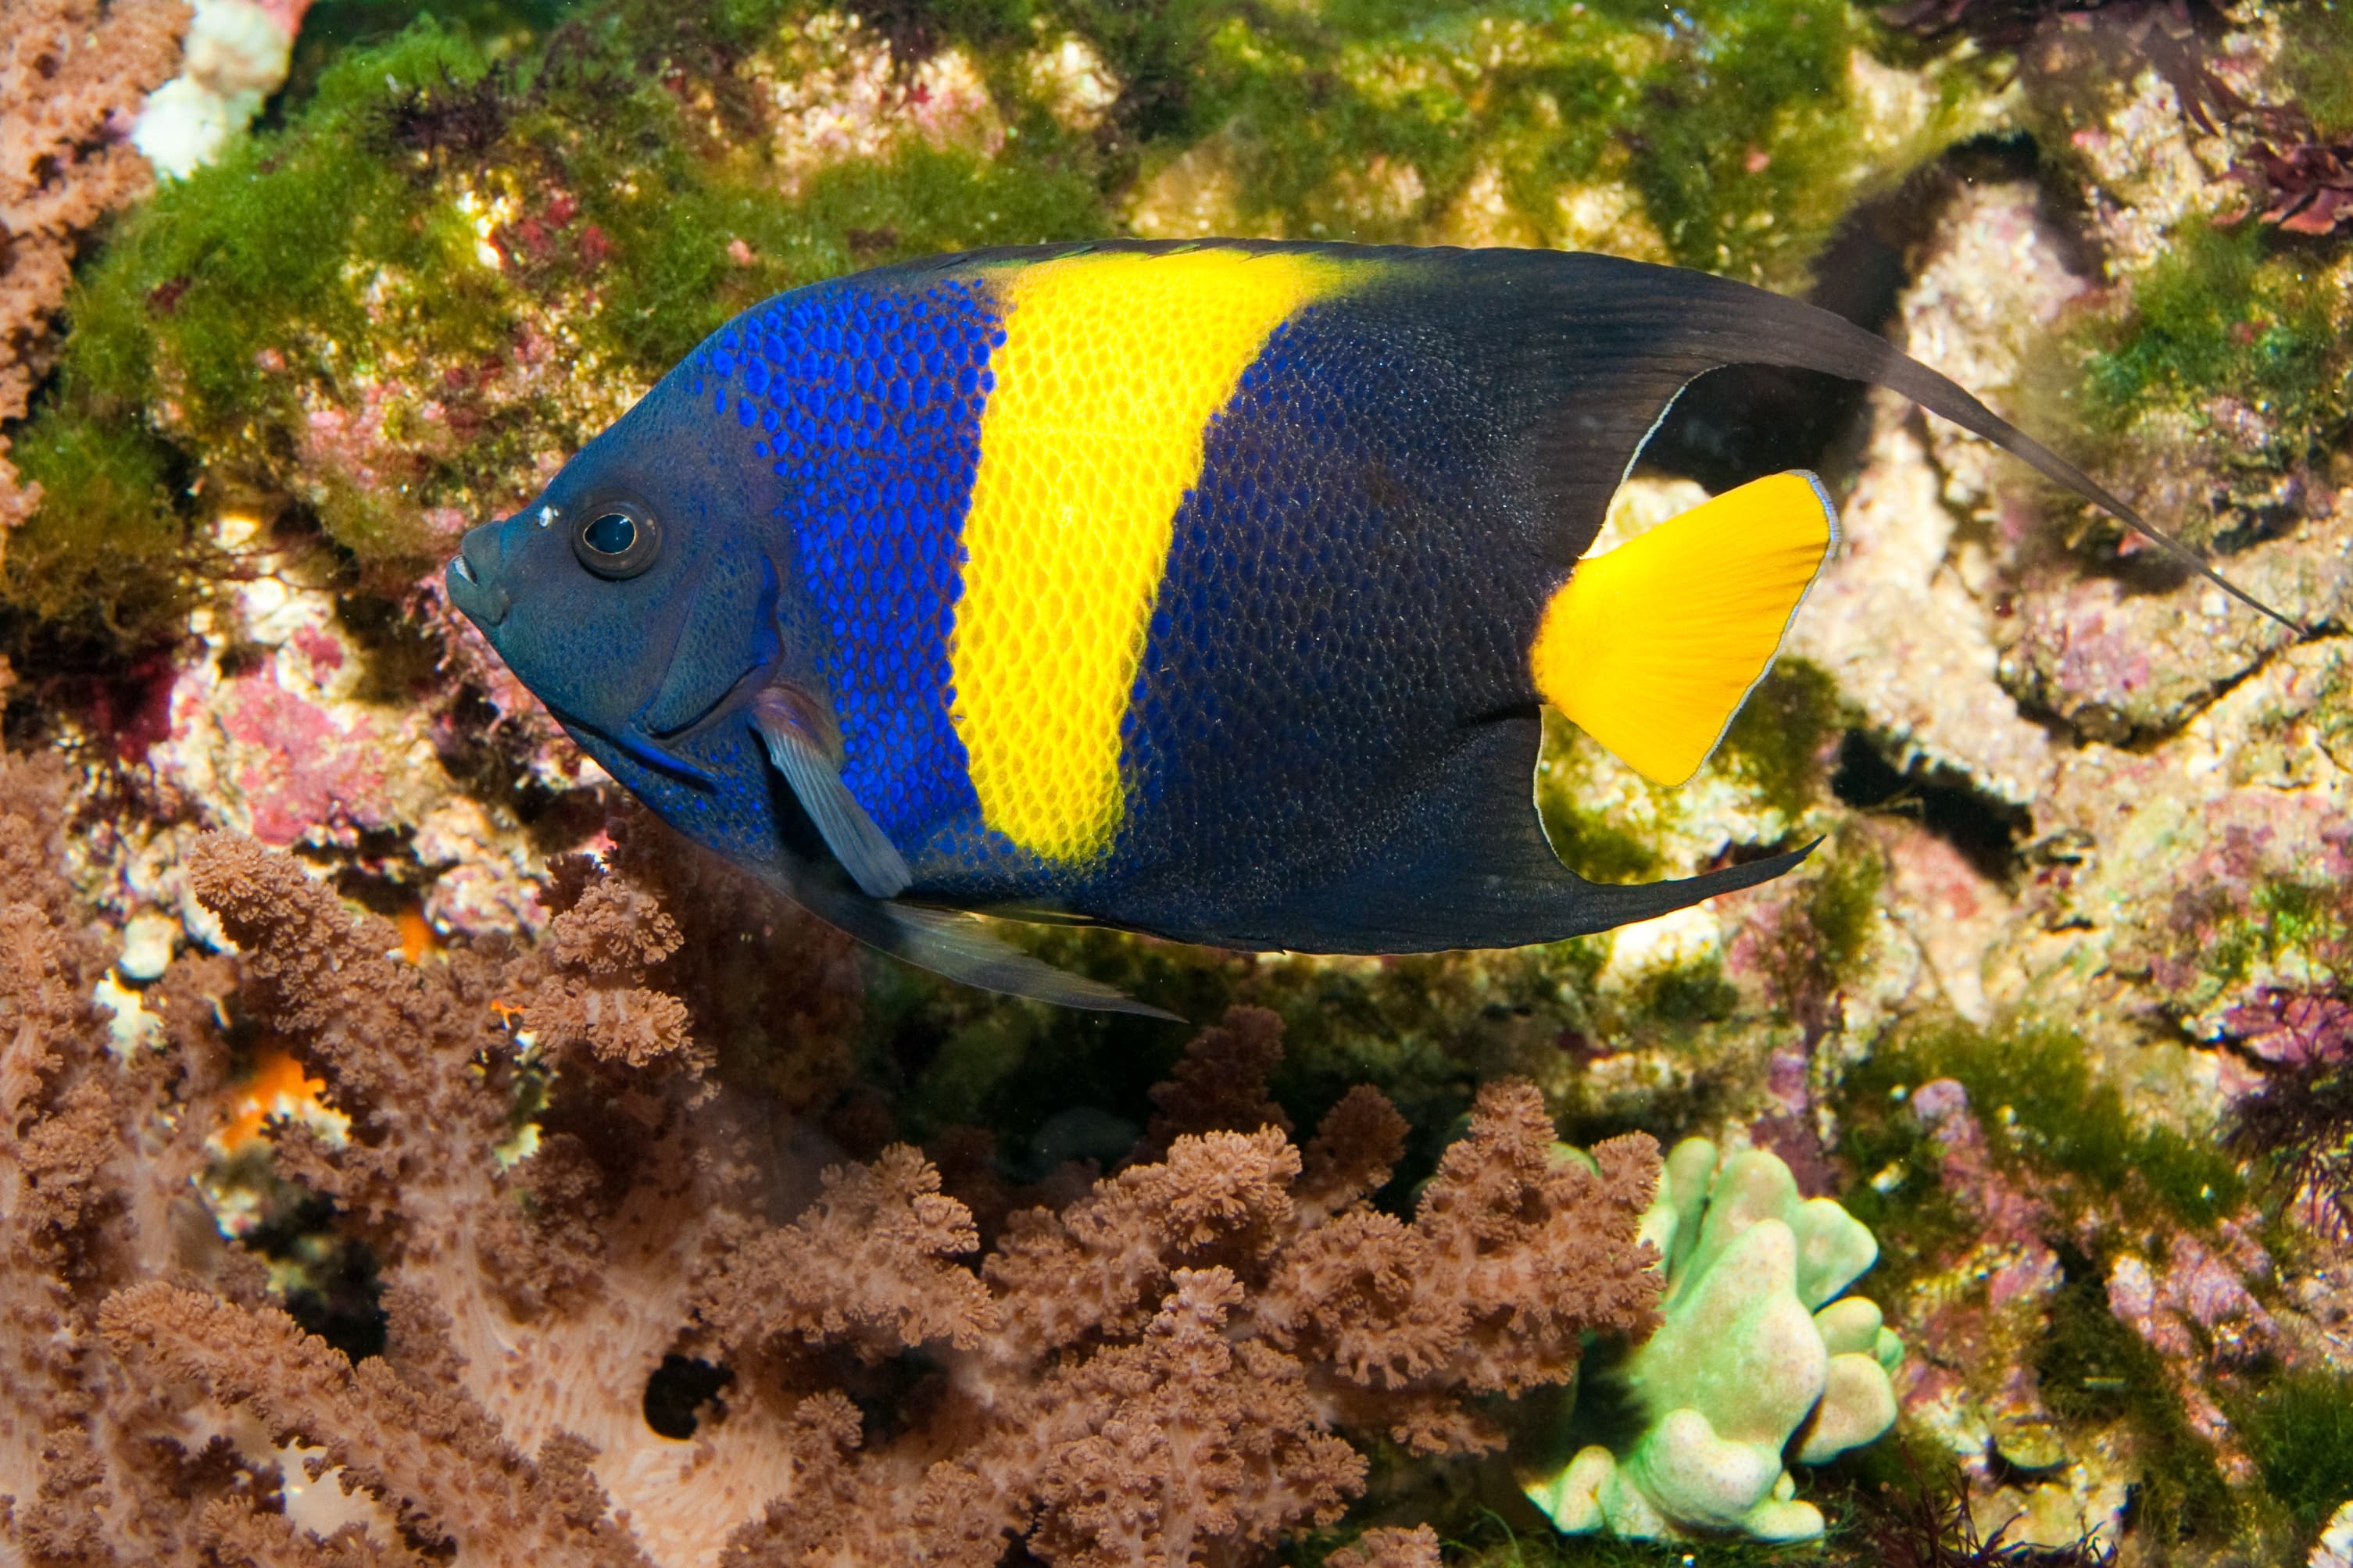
(419, 941)
(279, 1087)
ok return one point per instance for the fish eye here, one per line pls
(617, 540)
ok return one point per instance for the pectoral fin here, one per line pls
(1650, 647)
(798, 738)
(789, 729)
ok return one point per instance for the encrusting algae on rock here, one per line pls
(492, 1174)
(69, 70)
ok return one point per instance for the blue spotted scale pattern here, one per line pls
(868, 403)
(1348, 490)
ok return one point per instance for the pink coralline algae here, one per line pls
(2291, 1028)
(2011, 1221)
(267, 734)
(267, 725)
(2091, 658)
(2195, 1312)
(298, 768)
(1961, 1380)
(2196, 1289)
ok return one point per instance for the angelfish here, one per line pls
(1210, 590)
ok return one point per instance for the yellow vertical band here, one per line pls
(1112, 367)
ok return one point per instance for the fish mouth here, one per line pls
(470, 586)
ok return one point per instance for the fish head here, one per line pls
(642, 598)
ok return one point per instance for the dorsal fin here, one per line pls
(1618, 339)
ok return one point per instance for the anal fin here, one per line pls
(949, 943)
(1650, 647)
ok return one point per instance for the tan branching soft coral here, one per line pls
(1164, 1371)
(390, 1436)
(545, 1295)
(96, 1158)
(72, 75)
(563, 1195)
(1389, 1548)
(1221, 1083)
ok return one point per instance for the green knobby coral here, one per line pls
(1758, 1349)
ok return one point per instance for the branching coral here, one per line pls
(1155, 1373)
(71, 71)
(93, 1193)
(560, 1194)
(237, 54)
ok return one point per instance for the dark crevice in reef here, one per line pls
(340, 1296)
(1985, 830)
(678, 1388)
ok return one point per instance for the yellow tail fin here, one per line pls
(1650, 647)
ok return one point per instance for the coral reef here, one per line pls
(72, 72)
(384, 1109)
(237, 54)
(1758, 1343)
(558, 1196)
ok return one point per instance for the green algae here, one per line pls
(1588, 841)
(2224, 308)
(100, 562)
(2042, 1108)
(1898, 1195)
(262, 250)
(1734, 131)
(2296, 931)
(2056, 1132)
(2331, 715)
(2225, 311)
(1687, 993)
(2093, 1369)
(1778, 741)
(2049, 1125)
(1820, 945)
(2317, 61)
(308, 322)
(2298, 1428)
(1841, 908)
